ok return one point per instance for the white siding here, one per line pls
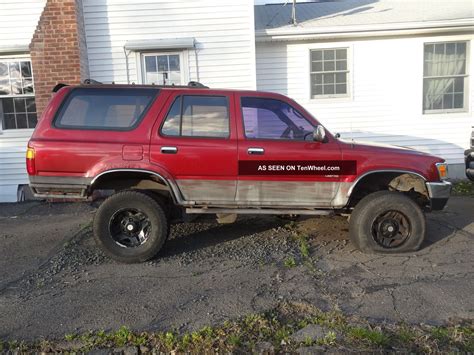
(223, 30)
(12, 163)
(18, 20)
(386, 93)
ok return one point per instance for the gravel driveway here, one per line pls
(55, 281)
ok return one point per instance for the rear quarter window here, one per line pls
(104, 109)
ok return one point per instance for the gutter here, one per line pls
(377, 30)
(14, 49)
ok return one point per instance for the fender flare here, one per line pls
(171, 184)
(370, 172)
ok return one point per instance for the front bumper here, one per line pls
(469, 163)
(439, 193)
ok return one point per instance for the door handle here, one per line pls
(169, 150)
(255, 151)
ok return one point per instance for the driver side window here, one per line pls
(273, 119)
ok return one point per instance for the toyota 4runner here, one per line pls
(168, 152)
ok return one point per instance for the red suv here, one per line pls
(171, 151)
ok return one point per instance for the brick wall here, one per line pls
(58, 48)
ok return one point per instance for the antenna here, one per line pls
(293, 14)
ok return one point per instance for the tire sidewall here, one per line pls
(139, 201)
(374, 205)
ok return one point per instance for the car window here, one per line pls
(266, 118)
(110, 109)
(198, 116)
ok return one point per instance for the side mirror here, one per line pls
(319, 134)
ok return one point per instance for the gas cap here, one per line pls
(132, 152)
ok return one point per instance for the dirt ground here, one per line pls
(55, 281)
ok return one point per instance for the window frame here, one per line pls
(176, 97)
(68, 97)
(313, 124)
(183, 62)
(466, 77)
(19, 58)
(348, 73)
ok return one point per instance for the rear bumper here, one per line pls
(439, 193)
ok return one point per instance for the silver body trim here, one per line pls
(271, 194)
(286, 193)
(207, 190)
(439, 189)
(259, 211)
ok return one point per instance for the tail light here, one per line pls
(30, 161)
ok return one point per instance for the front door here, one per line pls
(196, 142)
(275, 140)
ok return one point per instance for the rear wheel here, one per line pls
(130, 226)
(387, 222)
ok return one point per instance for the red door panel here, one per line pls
(290, 190)
(205, 168)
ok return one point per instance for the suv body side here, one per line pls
(204, 171)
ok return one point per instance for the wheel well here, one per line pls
(126, 180)
(410, 184)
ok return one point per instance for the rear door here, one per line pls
(275, 137)
(196, 141)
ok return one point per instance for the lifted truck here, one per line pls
(171, 151)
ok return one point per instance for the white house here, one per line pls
(391, 71)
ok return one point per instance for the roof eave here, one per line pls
(308, 33)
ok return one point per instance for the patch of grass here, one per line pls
(290, 262)
(440, 334)
(463, 188)
(329, 339)
(70, 337)
(374, 337)
(304, 247)
(276, 327)
(405, 335)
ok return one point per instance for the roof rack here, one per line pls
(91, 81)
(197, 84)
(191, 84)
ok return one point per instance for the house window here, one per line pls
(445, 77)
(17, 98)
(329, 72)
(163, 68)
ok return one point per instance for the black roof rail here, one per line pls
(197, 84)
(91, 81)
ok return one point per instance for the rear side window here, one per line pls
(198, 116)
(106, 109)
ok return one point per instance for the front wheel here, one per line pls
(130, 226)
(387, 222)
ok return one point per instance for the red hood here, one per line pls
(382, 157)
